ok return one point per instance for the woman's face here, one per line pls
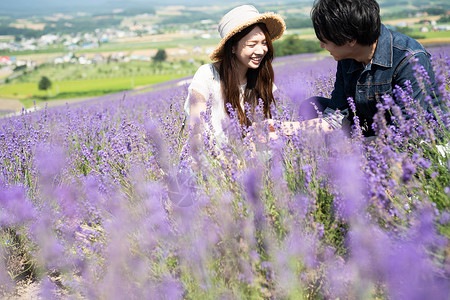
(251, 49)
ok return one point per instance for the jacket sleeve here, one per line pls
(418, 71)
(338, 98)
(337, 112)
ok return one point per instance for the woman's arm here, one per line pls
(197, 105)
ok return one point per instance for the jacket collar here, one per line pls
(383, 52)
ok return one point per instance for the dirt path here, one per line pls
(14, 105)
(11, 105)
(59, 102)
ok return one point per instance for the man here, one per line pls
(372, 60)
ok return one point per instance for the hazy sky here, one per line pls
(61, 3)
(40, 7)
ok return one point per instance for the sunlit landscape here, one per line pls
(99, 200)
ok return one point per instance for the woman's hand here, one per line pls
(277, 128)
(265, 131)
(283, 128)
(318, 124)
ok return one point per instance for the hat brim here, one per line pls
(274, 23)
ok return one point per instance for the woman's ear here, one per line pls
(233, 49)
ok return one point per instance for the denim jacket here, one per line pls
(390, 66)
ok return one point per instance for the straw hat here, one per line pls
(241, 17)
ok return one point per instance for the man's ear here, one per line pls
(352, 43)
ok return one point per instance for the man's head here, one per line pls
(341, 21)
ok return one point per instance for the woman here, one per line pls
(241, 71)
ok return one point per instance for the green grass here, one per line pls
(128, 46)
(67, 72)
(436, 34)
(76, 81)
(57, 49)
(81, 88)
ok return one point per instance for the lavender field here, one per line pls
(99, 200)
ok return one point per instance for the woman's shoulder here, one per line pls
(206, 68)
(207, 71)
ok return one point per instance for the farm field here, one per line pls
(180, 47)
(410, 20)
(100, 200)
(81, 81)
(82, 88)
(437, 37)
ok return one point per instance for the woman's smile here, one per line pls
(251, 49)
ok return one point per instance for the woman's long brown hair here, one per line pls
(259, 81)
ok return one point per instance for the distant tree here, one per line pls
(444, 19)
(293, 45)
(160, 56)
(435, 11)
(409, 32)
(20, 68)
(299, 22)
(44, 84)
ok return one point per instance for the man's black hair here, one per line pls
(341, 21)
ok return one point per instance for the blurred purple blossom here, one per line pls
(15, 208)
(106, 195)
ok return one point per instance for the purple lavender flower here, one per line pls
(15, 208)
(408, 171)
(105, 194)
